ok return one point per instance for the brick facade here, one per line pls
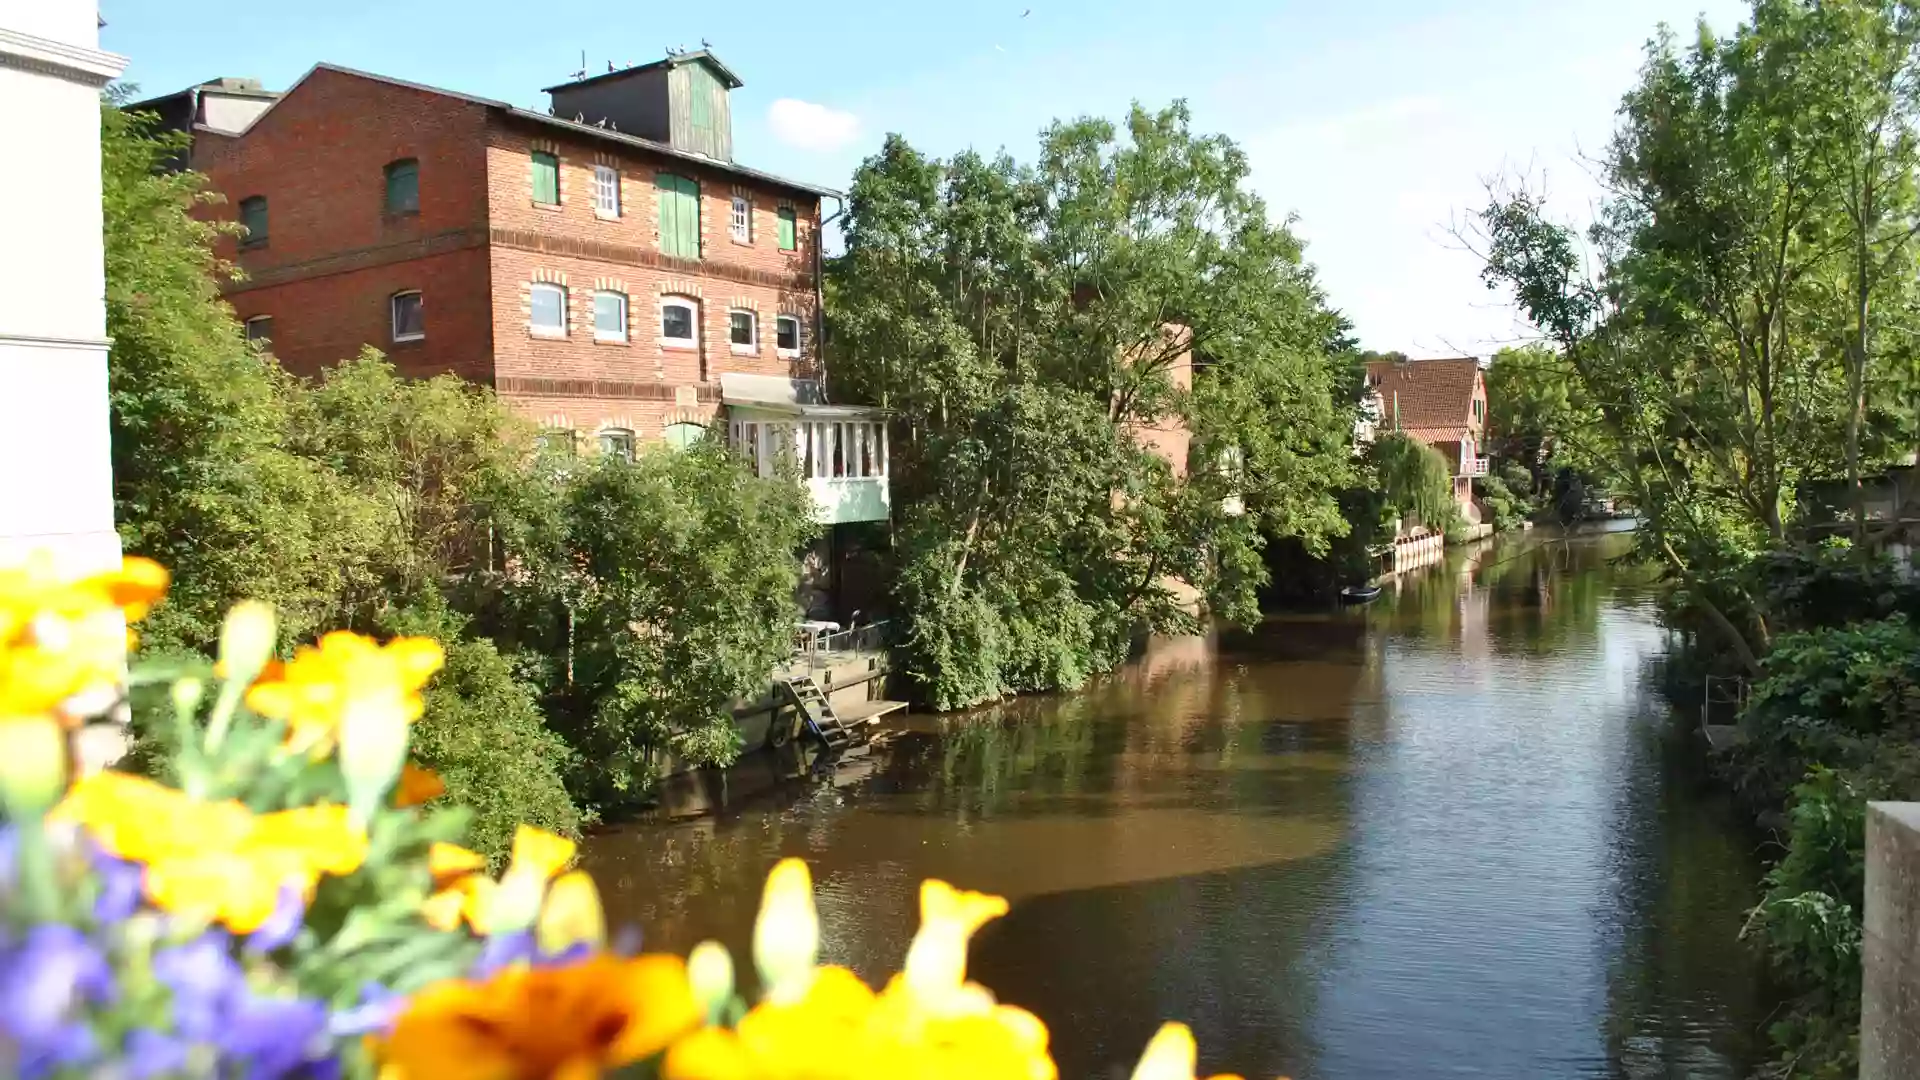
(479, 243)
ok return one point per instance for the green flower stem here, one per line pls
(39, 889)
(223, 709)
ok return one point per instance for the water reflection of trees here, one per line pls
(1524, 594)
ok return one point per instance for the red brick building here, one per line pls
(603, 268)
(1443, 403)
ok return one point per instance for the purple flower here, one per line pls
(204, 979)
(275, 1037)
(503, 951)
(282, 925)
(120, 882)
(150, 1054)
(44, 981)
(375, 1014)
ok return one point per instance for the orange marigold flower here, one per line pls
(418, 786)
(531, 1023)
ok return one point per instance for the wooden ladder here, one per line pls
(821, 719)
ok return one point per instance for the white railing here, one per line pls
(1474, 467)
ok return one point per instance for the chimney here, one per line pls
(681, 101)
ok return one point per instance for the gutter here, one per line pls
(820, 286)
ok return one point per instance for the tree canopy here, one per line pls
(1025, 323)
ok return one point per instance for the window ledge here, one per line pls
(551, 207)
(253, 245)
(400, 215)
(745, 350)
(608, 339)
(742, 243)
(788, 354)
(678, 343)
(402, 339)
(605, 216)
(550, 335)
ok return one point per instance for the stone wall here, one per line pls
(1890, 1007)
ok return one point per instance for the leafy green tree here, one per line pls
(1530, 408)
(1415, 480)
(1025, 324)
(203, 480)
(669, 598)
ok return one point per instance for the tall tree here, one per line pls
(1024, 323)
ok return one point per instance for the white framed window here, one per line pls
(678, 320)
(260, 328)
(742, 222)
(618, 443)
(409, 316)
(786, 335)
(743, 331)
(609, 316)
(606, 191)
(549, 315)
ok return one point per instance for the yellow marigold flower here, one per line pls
(463, 892)
(418, 786)
(570, 915)
(937, 959)
(63, 643)
(142, 820)
(528, 1023)
(213, 859)
(314, 691)
(1171, 1056)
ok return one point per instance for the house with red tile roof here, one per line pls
(1441, 402)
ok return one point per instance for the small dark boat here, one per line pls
(1359, 594)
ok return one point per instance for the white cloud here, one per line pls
(808, 126)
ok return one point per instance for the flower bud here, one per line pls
(710, 971)
(187, 694)
(373, 749)
(786, 935)
(33, 764)
(246, 640)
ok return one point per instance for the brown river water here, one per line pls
(1452, 833)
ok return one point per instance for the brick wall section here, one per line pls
(574, 245)
(320, 321)
(333, 257)
(1172, 439)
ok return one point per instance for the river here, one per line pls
(1450, 834)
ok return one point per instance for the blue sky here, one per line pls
(1373, 121)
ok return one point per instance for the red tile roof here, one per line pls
(1434, 397)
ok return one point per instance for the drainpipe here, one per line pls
(820, 289)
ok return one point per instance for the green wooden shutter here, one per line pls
(689, 218)
(546, 177)
(789, 241)
(679, 199)
(666, 192)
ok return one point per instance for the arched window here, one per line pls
(681, 436)
(679, 322)
(617, 442)
(409, 316)
(549, 309)
(253, 217)
(562, 441)
(403, 187)
(260, 328)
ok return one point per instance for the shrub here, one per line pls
(483, 733)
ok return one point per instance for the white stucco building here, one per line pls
(56, 483)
